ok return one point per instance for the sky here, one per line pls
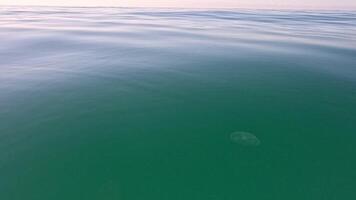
(290, 4)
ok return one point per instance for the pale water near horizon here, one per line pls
(177, 104)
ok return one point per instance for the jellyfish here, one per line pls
(244, 138)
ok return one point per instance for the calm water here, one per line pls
(151, 104)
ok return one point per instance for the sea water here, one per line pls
(177, 104)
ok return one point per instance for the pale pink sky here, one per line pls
(313, 4)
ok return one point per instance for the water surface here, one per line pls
(140, 104)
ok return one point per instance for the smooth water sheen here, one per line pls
(143, 104)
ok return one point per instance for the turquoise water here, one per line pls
(177, 104)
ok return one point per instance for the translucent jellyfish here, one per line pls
(244, 138)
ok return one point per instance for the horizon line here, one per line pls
(309, 8)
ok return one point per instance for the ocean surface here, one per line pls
(177, 104)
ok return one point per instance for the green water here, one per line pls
(140, 104)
